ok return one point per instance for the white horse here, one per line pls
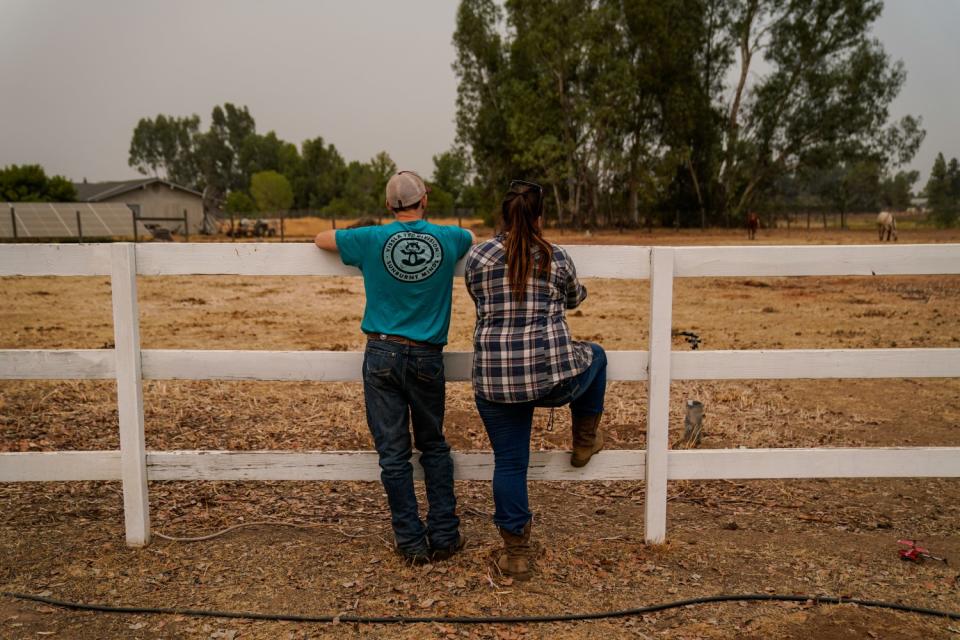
(886, 224)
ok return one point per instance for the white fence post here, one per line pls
(126, 338)
(658, 386)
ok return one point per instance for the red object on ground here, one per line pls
(914, 553)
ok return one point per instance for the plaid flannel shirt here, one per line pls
(522, 349)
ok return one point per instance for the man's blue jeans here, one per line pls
(402, 385)
(509, 425)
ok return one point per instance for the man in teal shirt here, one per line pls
(407, 269)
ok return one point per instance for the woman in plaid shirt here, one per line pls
(524, 358)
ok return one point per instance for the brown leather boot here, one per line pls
(587, 439)
(514, 560)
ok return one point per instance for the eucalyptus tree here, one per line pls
(321, 175)
(648, 98)
(164, 147)
(481, 66)
(451, 172)
(943, 191)
(813, 87)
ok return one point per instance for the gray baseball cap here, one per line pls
(404, 189)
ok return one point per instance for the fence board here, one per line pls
(363, 465)
(126, 332)
(327, 366)
(55, 260)
(610, 261)
(58, 466)
(816, 363)
(212, 364)
(844, 260)
(873, 462)
(658, 392)
(304, 259)
(239, 258)
(57, 364)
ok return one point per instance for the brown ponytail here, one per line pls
(521, 208)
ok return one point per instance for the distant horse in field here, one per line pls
(886, 225)
(753, 223)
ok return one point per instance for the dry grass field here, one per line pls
(828, 537)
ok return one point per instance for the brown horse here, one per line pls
(753, 223)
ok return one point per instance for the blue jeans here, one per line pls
(508, 426)
(404, 384)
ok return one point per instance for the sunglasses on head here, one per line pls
(527, 188)
(530, 187)
(524, 183)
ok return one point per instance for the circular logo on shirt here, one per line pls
(411, 257)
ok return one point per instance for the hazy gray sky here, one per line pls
(75, 77)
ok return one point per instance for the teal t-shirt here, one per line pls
(407, 276)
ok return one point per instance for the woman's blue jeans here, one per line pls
(508, 426)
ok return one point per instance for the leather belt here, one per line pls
(404, 341)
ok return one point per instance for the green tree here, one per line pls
(239, 202)
(943, 192)
(852, 187)
(268, 153)
(647, 91)
(451, 170)
(897, 190)
(360, 195)
(953, 179)
(218, 152)
(364, 187)
(271, 191)
(440, 202)
(165, 147)
(826, 96)
(482, 67)
(321, 176)
(174, 148)
(381, 167)
(29, 183)
(696, 108)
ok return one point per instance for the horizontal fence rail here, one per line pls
(129, 364)
(704, 464)
(614, 261)
(344, 366)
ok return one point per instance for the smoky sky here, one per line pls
(75, 77)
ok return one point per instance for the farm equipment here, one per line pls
(260, 228)
(265, 228)
(913, 553)
(160, 233)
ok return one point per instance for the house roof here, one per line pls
(97, 191)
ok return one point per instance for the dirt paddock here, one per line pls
(819, 537)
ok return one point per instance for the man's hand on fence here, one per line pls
(327, 240)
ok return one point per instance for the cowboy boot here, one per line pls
(587, 438)
(514, 561)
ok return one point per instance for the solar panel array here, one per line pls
(60, 220)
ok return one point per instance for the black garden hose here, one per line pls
(569, 617)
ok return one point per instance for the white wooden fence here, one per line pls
(129, 364)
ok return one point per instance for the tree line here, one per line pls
(30, 183)
(943, 191)
(680, 112)
(242, 171)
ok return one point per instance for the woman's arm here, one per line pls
(575, 292)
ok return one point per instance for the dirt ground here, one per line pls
(818, 537)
